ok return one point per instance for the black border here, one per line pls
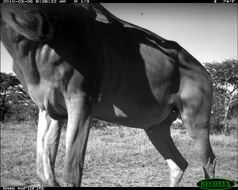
(117, 1)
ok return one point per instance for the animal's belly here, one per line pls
(133, 110)
(136, 114)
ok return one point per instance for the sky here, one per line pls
(207, 31)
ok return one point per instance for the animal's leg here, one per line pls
(48, 136)
(161, 139)
(195, 94)
(76, 139)
(196, 118)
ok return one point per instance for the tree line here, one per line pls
(16, 104)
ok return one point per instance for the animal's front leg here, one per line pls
(76, 139)
(48, 136)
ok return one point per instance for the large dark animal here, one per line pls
(78, 61)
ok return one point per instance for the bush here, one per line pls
(218, 127)
(22, 112)
(177, 125)
(99, 124)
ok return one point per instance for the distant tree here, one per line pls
(7, 84)
(225, 83)
(14, 101)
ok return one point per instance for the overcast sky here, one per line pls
(207, 31)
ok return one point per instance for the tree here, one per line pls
(225, 84)
(14, 101)
(7, 83)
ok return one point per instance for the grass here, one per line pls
(121, 157)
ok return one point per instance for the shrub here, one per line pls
(177, 125)
(218, 127)
(99, 124)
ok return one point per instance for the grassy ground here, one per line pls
(115, 157)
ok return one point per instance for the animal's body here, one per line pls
(78, 61)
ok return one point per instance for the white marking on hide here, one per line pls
(100, 97)
(118, 112)
(173, 166)
(46, 166)
(101, 18)
(175, 173)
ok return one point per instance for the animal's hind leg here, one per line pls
(195, 114)
(161, 139)
(48, 136)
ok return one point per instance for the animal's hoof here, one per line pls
(48, 183)
(70, 185)
(56, 184)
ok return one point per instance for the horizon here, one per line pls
(207, 31)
